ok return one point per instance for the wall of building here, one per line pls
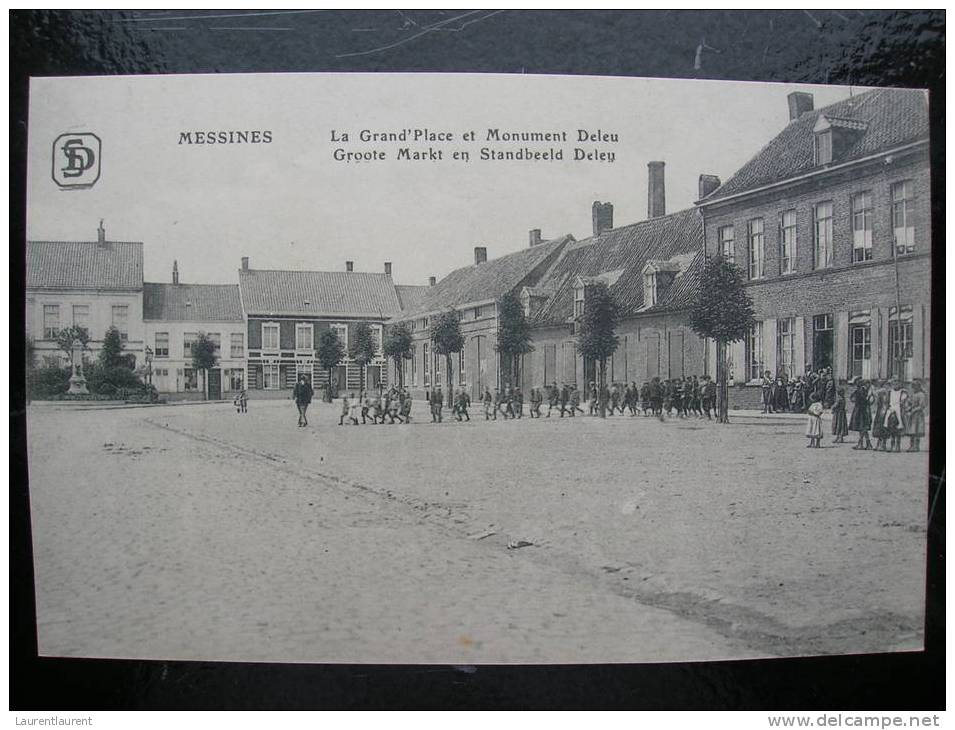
(100, 305)
(173, 373)
(288, 362)
(847, 295)
(653, 345)
(480, 361)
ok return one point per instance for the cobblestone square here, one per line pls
(194, 532)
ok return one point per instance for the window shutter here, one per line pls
(918, 337)
(769, 346)
(840, 336)
(878, 343)
(737, 355)
(799, 367)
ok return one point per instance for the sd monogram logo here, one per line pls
(76, 160)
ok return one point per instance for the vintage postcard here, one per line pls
(476, 368)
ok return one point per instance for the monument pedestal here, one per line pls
(77, 385)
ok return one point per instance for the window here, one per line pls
(236, 379)
(270, 336)
(270, 376)
(823, 147)
(237, 345)
(187, 339)
(414, 365)
(903, 224)
(578, 301)
(426, 364)
(477, 313)
(754, 234)
(376, 337)
(822, 341)
(754, 352)
(341, 330)
(81, 316)
(900, 343)
(461, 378)
(120, 320)
(304, 334)
(51, 321)
(787, 242)
(862, 227)
(786, 342)
(822, 235)
(216, 338)
(650, 289)
(727, 250)
(189, 379)
(860, 345)
(161, 347)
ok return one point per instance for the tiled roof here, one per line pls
(410, 296)
(622, 253)
(491, 279)
(192, 302)
(84, 265)
(885, 118)
(318, 293)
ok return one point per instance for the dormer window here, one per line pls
(579, 301)
(823, 147)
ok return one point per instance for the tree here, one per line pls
(722, 311)
(397, 346)
(363, 348)
(595, 336)
(446, 339)
(111, 356)
(68, 337)
(513, 337)
(331, 352)
(204, 357)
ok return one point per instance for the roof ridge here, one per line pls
(313, 271)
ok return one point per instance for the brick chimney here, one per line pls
(708, 183)
(534, 237)
(656, 192)
(432, 280)
(602, 215)
(101, 234)
(245, 263)
(175, 272)
(799, 103)
(480, 255)
(388, 268)
(349, 266)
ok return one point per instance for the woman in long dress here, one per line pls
(915, 427)
(879, 432)
(861, 420)
(839, 425)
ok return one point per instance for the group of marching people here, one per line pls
(884, 409)
(393, 404)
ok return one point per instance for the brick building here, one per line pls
(91, 284)
(651, 268)
(173, 316)
(830, 223)
(474, 292)
(287, 311)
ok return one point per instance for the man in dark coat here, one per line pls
(302, 395)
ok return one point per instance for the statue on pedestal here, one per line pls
(77, 381)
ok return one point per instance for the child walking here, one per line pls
(814, 424)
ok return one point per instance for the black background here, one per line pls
(871, 48)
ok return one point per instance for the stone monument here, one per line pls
(77, 381)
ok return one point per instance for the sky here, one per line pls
(289, 205)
